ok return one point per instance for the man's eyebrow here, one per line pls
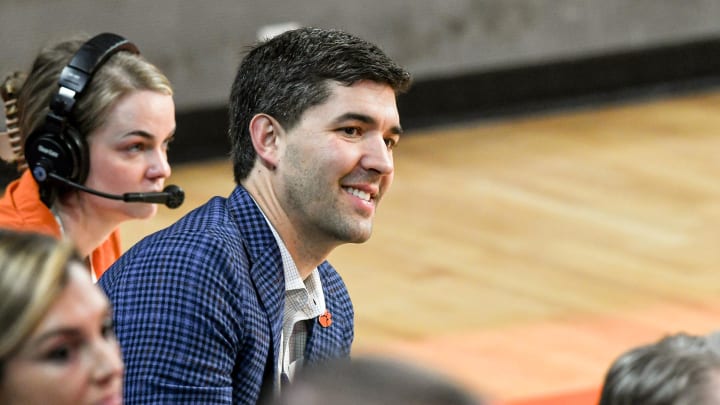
(351, 116)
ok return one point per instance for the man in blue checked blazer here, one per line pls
(229, 303)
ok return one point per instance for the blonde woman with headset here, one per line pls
(91, 117)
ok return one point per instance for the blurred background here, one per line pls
(555, 200)
(470, 58)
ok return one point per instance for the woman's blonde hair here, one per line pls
(122, 73)
(33, 272)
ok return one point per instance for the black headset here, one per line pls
(57, 147)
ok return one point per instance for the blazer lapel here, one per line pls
(269, 281)
(323, 342)
(266, 271)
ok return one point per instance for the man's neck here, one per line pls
(306, 252)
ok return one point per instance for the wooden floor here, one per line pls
(521, 256)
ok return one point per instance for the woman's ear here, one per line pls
(264, 134)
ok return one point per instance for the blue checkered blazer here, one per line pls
(198, 308)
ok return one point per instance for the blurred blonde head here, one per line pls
(56, 339)
(33, 271)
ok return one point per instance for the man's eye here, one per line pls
(167, 142)
(391, 142)
(351, 131)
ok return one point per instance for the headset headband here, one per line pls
(83, 65)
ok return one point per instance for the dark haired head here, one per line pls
(373, 381)
(679, 369)
(288, 74)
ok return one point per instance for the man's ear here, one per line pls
(264, 132)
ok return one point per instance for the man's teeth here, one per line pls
(358, 193)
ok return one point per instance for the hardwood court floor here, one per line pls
(521, 256)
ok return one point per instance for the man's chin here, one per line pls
(361, 236)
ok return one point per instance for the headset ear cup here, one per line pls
(80, 154)
(64, 155)
(40, 164)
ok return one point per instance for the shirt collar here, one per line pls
(293, 281)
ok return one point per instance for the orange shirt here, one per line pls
(21, 209)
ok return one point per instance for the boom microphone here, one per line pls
(172, 196)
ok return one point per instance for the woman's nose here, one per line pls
(107, 362)
(159, 165)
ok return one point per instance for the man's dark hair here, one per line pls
(677, 370)
(373, 381)
(288, 74)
